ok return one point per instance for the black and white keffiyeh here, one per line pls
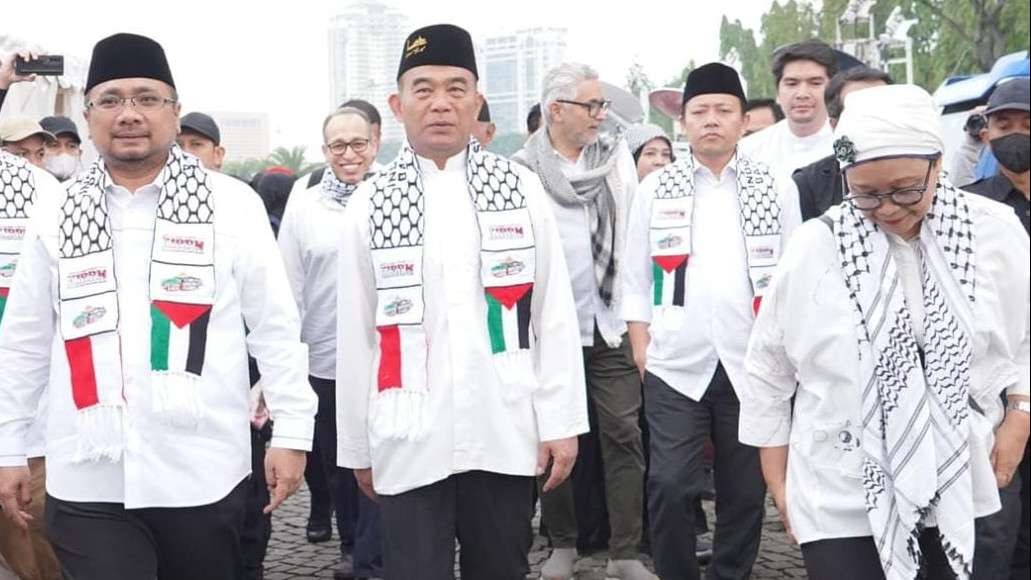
(335, 191)
(507, 273)
(916, 456)
(672, 220)
(17, 195)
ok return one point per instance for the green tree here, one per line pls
(293, 159)
(245, 169)
(755, 69)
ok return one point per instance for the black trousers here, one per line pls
(105, 541)
(676, 479)
(257, 525)
(997, 535)
(1021, 567)
(358, 518)
(857, 559)
(488, 513)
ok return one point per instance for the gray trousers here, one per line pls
(614, 385)
(679, 427)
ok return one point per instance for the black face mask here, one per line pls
(1013, 151)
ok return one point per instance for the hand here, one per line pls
(15, 495)
(639, 340)
(7, 74)
(284, 469)
(1010, 439)
(364, 478)
(561, 453)
(780, 500)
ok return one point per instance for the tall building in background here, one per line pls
(511, 70)
(364, 48)
(244, 135)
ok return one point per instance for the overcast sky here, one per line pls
(272, 55)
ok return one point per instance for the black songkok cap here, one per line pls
(440, 45)
(713, 78)
(127, 56)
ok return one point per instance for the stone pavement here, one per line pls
(291, 557)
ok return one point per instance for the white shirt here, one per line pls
(784, 151)
(309, 239)
(806, 335)
(47, 187)
(162, 466)
(472, 425)
(575, 229)
(713, 326)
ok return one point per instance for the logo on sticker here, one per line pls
(87, 277)
(397, 307)
(763, 281)
(183, 244)
(396, 269)
(670, 241)
(181, 283)
(507, 267)
(672, 214)
(7, 270)
(12, 232)
(88, 316)
(506, 232)
(762, 252)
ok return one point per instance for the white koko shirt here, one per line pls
(473, 424)
(163, 465)
(803, 368)
(716, 319)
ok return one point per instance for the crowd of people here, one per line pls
(801, 304)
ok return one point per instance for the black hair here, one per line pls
(366, 107)
(770, 104)
(813, 49)
(533, 118)
(832, 94)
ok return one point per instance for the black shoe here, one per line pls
(317, 532)
(345, 568)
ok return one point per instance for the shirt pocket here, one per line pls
(831, 446)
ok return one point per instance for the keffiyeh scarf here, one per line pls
(672, 221)
(507, 272)
(916, 455)
(17, 194)
(182, 291)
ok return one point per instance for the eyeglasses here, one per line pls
(904, 196)
(340, 147)
(594, 108)
(147, 103)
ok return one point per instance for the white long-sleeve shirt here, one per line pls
(47, 187)
(714, 324)
(783, 151)
(309, 239)
(473, 424)
(575, 228)
(805, 334)
(163, 465)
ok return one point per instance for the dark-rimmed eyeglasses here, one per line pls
(904, 196)
(146, 102)
(594, 108)
(340, 147)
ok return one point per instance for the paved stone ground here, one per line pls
(291, 557)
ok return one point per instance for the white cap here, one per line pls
(887, 121)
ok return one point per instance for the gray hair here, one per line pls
(561, 83)
(343, 111)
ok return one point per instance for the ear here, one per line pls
(491, 130)
(220, 154)
(325, 153)
(395, 105)
(554, 114)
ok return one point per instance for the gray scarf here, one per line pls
(591, 188)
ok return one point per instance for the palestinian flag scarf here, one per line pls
(181, 292)
(672, 217)
(17, 194)
(507, 272)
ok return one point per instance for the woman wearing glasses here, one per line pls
(308, 240)
(889, 363)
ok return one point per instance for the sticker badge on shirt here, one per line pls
(89, 315)
(397, 267)
(180, 283)
(508, 268)
(12, 233)
(671, 212)
(396, 306)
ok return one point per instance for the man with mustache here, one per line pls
(141, 273)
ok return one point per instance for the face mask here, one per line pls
(1013, 152)
(62, 166)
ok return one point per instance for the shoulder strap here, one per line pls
(316, 177)
(827, 221)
